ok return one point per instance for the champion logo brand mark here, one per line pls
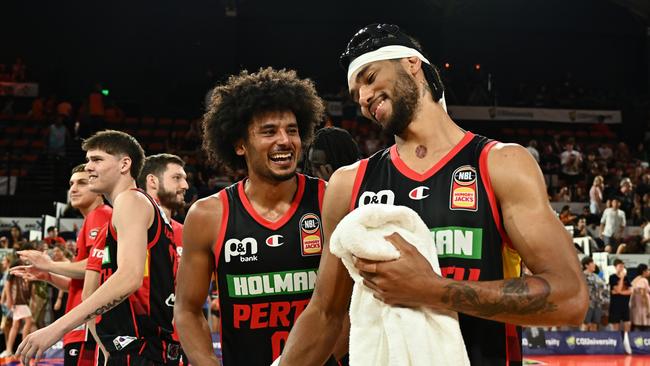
(274, 241)
(419, 193)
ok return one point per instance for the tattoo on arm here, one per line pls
(102, 309)
(515, 298)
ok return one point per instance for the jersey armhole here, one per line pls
(223, 197)
(487, 183)
(321, 194)
(361, 172)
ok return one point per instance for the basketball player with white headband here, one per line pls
(484, 201)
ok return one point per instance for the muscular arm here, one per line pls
(132, 215)
(556, 292)
(201, 229)
(314, 335)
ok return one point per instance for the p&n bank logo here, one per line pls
(245, 249)
(385, 196)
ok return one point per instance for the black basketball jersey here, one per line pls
(266, 271)
(142, 323)
(455, 199)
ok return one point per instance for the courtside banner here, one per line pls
(640, 343)
(472, 113)
(539, 342)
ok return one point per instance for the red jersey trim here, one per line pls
(361, 171)
(321, 193)
(513, 352)
(411, 174)
(487, 183)
(273, 225)
(222, 230)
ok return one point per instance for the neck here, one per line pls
(86, 210)
(431, 128)
(125, 183)
(267, 193)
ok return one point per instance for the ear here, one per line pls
(152, 181)
(125, 164)
(240, 147)
(413, 65)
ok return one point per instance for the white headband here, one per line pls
(383, 53)
(389, 53)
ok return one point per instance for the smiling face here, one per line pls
(80, 194)
(103, 170)
(387, 94)
(272, 148)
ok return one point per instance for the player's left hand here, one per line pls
(35, 344)
(406, 281)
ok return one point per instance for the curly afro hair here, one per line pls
(234, 105)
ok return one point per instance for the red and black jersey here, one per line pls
(88, 235)
(142, 324)
(455, 199)
(266, 271)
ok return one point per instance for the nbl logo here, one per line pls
(385, 196)
(245, 249)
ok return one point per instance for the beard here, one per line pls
(405, 103)
(170, 200)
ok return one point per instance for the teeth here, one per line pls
(378, 106)
(281, 156)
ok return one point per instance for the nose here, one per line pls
(283, 137)
(184, 184)
(365, 96)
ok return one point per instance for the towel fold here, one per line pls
(385, 335)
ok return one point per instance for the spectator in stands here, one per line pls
(640, 299)
(53, 237)
(4, 242)
(5, 324)
(626, 196)
(532, 149)
(621, 289)
(612, 225)
(592, 220)
(16, 297)
(17, 239)
(95, 110)
(580, 229)
(596, 195)
(566, 216)
(641, 154)
(57, 137)
(596, 287)
(571, 161)
(38, 109)
(644, 186)
(605, 151)
(563, 195)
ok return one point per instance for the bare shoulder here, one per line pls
(131, 206)
(514, 173)
(130, 199)
(344, 176)
(203, 221)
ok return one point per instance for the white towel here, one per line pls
(381, 334)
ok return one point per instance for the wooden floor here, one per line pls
(587, 360)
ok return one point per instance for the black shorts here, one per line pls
(134, 359)
(619, 312)
(79, 354)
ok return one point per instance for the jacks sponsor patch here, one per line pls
(464, 192)
(311, 242)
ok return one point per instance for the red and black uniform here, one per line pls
(266, 271)
(78, 345)
(456, 201)
(138, 331)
